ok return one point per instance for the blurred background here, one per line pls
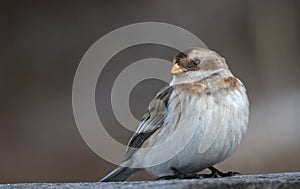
(42, 43)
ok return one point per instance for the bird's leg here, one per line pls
(182, 175)
(216, 172)
(213, 174)
(179, 175)
(169, 177)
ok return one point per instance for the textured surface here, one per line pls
(280, 180)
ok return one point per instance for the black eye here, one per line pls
(197, 61)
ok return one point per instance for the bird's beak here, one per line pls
(176, 69)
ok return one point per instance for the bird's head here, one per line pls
(195, 63)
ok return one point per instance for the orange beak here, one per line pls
(176, 69)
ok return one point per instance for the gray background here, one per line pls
(42, 43)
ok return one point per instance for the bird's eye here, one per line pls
(197, 61)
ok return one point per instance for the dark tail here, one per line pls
(119, 174)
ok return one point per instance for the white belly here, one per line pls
(215, 127)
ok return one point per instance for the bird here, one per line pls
(194, 123)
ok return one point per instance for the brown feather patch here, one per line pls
(231, 82)
(209, 65)
(191, 88)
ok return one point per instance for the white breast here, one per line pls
(214, 126)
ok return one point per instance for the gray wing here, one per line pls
(151, 121)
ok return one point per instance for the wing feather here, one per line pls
(151, 121)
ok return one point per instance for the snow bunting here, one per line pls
(201, 117)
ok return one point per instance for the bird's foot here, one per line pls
(216, 173)
(211, 175)
(169, 177)
(179, 175)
